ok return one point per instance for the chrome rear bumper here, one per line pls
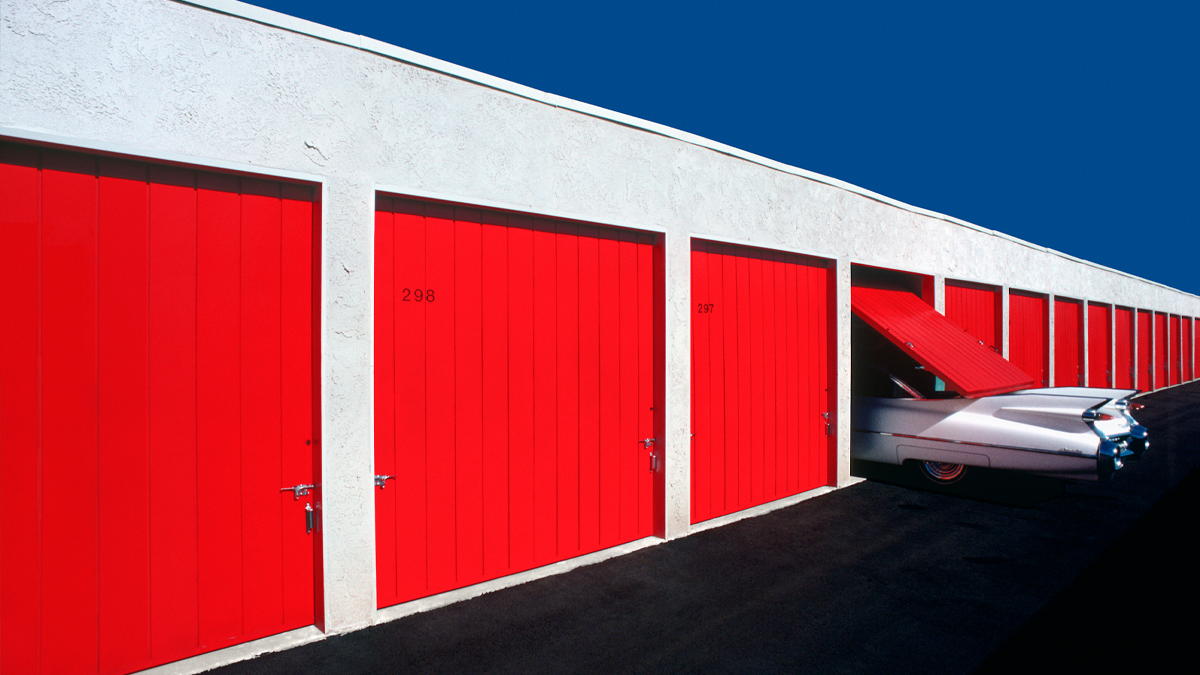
(1111, 456)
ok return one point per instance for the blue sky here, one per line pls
(1073, 125)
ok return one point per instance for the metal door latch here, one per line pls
(298, 490)
(826, 416)
(653, 457)
(381, 481)
(308, 517)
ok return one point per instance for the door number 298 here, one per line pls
(417, 295)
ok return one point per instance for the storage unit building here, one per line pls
(290, 355)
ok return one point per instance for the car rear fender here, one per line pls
(907, 452)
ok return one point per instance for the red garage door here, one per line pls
(976, 309)
(1028, 335)
(514, 387)
(1176, 352)
(760, 377)
(1195, 346)
(1162, 353)
(1188, 354)
(1123, 365)
(1145, 350)
(157, 368)
(1099, 346)
(1186, 346)
(1068, 343)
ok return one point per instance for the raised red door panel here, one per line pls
(1068, 343)
(1162, 351)
(1145, 351)
(158, 379)
(1123, 368)
(1099, 346)
(513, 387)
(1029, 335)
(1176, 351)
(760, 377)
(944, 349)
(977, 309)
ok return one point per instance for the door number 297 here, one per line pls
(704, 308)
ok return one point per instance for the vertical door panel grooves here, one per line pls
(759, 377)
(529, 383)
(109, 282)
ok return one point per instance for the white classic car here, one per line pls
(906, 409)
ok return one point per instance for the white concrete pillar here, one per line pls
(1050, 299)
(841, 416)
(1004, 321)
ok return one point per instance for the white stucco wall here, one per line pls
(225, 85)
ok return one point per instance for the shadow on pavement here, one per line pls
(1132, 610)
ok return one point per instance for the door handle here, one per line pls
(298, 490)
(646, 443)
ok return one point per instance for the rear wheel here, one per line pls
(942, 473)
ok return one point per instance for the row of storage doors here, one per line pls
(1158, 354)
(158, 436)
(1164, 343)
(159, 361)
(517, 408)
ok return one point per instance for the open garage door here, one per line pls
(761, 372)
(514, 394)
(944, 349)
(157, 368)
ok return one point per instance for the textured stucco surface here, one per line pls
(160, 78)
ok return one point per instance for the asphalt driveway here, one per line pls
(1004, 572)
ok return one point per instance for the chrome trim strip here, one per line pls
(1066, 453)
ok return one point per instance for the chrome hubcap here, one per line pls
(943, 472)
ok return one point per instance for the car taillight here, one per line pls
(1093, 416)
(1136, 406)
